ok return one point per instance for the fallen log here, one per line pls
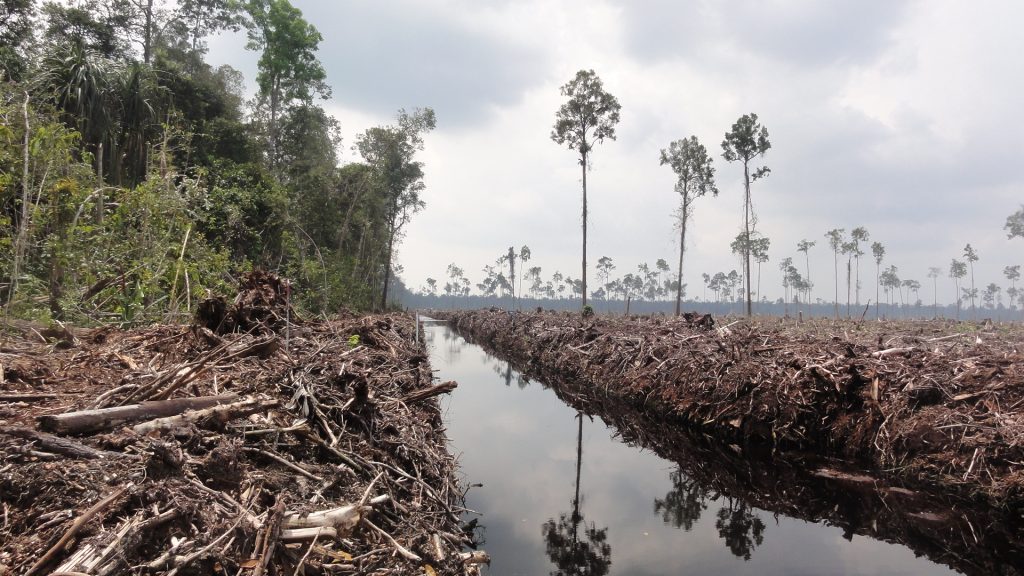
(430, 392)
(90, 421)
(218, 414)
(58, 445)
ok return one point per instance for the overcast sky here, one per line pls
(902, 117)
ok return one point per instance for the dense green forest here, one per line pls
(136, 178)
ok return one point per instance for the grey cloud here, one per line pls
(804, 32)
(381, 56)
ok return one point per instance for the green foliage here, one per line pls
(1015, 224)
(147, 182)
(241, 209)
(15, 32)
(353, 340)
(588, 116)
(390, 153)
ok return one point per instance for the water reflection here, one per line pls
(590, 555)
(741, 530)
(684, 504)
(709, 503)
(736, 523)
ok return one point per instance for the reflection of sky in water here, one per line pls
(521, 445)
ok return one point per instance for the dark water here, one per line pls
(561, 494)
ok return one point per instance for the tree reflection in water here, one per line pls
(739, 527)
(684, 504)
(572, 552)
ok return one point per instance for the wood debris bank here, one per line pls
(312, 448)
(922, 405)
(973, 539)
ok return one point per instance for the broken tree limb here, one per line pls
(402, 550)
(430, 392)
(284, 461)
(76, 526)
(93, 558)
(89, 421)
(218, 414)
(270, 536)
(301, 534)
(888, 351)
(58, 445)
(26, 397)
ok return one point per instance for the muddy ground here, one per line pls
(925, 404)
(315, 448)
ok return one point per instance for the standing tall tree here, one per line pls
(747, 141)
(878, 251)
(390, 151)
(858, 235)
(16, 30)
(695, 177)
(524, 257)
(836, 242)
(972, 256)
(201, 18)
(934, 272)
(288, 70)
(957, 270)
(805, 247)
(759, 250)
(848, 249)
(587, 118)
(1015, 224)
(1012, 274)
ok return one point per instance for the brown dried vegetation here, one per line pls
(928, 404)
(323, 456)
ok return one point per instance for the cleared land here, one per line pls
(190, 450)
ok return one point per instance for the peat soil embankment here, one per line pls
(909, 433)
(248, 443)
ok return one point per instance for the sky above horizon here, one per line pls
(897, 116)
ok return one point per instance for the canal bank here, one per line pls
(945, 526)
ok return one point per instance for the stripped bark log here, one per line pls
(217, 415)
(90, 421)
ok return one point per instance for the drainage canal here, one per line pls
(561, 493)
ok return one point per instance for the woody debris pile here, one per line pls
(247, 443)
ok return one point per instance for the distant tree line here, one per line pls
(657, 289)
(589, 116)
(135, 177)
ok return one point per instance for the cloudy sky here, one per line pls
(902, 117)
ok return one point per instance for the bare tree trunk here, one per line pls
(387, 263)
(835, 265)
(682, 248)
(584, 277)
(746, 227)
(26, 196)
(877, 272)
(848, 288)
